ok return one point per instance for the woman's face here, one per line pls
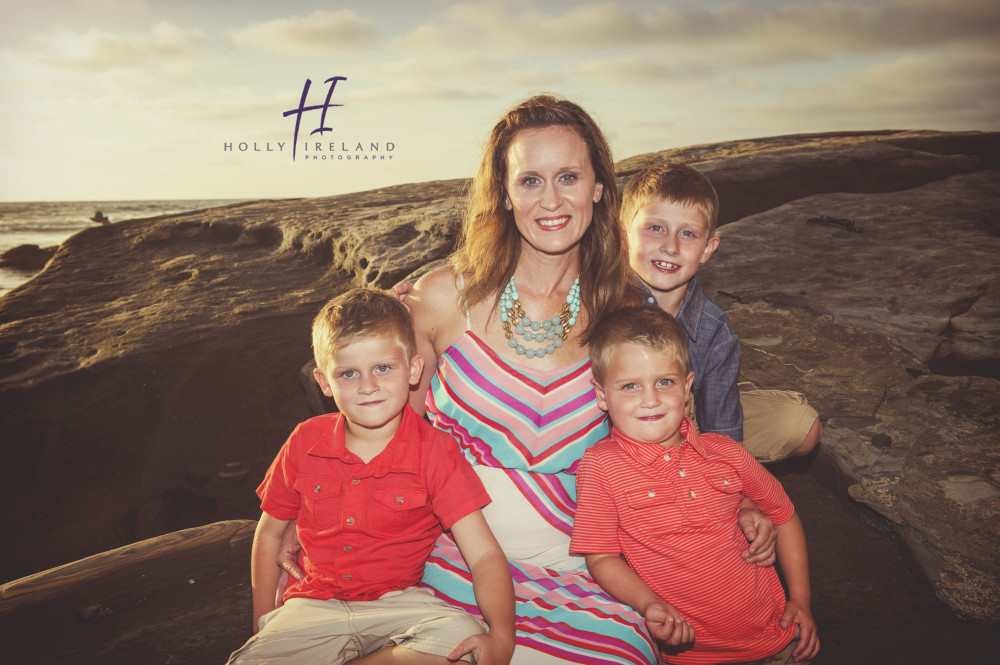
(551, 188)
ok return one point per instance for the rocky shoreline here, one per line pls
(149, 373)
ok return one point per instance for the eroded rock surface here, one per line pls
(149, 374)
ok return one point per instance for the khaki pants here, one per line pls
(304, 631)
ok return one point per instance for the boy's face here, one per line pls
(667, 242)
(370, 379)
(645, 392)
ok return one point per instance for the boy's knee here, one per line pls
(811, 441)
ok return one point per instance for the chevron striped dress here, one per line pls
(524, 432)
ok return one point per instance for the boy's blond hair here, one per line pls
(356, 315)
(675, 182)
(648, 326)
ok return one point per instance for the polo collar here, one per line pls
(689, 315)
(401, 455)
(647, 453)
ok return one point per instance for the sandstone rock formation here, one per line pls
(27, 258)
(151, 358)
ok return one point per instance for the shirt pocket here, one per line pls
(399, 508)
(724, 493)
(321, 500)
(650, 509)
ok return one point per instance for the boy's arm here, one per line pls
(615, 576)
(263, 567)
(794, 561)
(494, 591)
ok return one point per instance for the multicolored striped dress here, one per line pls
(524, 431)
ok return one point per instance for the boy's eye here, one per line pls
(666, 382)
(629, 386)
(688, 233)
(348, 373)
(382, 369)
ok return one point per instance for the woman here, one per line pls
(541, 243)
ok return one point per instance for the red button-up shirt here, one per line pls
(672, 512)
(367, 529)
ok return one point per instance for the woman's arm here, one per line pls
(433, 304)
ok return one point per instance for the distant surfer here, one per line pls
(100, 218)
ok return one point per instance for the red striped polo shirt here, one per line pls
(672, 512)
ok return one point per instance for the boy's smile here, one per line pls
(645, 392)
(667, 242)
(370, 379)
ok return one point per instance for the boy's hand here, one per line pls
(487, 649)
(666, 625)
(796, 612)
(762, 535)
(401, 290)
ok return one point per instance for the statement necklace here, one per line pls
(518, 326)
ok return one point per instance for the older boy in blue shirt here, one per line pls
(670, 212)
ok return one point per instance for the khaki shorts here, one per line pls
(304, 631)
(775, 422)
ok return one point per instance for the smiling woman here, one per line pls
(541, 236)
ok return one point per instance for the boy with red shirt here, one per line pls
(657, 507)
(371, 488)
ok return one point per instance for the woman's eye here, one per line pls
(568, 178)
(531, 181)
(655, 228)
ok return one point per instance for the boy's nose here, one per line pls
(368, 385)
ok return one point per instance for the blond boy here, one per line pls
(671, 212)
(370, 489)
(657, 507)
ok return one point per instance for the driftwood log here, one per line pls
(162, 600)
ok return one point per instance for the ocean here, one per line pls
(48, 223)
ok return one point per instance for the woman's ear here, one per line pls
(598, 191)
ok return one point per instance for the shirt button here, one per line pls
(347, 576)
(350, 520)
(691, 494)
(651, 493)
(725, 481)
(666, 456)
(347, 548)
(355, 481)
(399, 499)
(683, 473)
(317, 489)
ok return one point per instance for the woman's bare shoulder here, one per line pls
(437, 288)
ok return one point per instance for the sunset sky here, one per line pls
(138, 99)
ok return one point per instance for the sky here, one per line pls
(187, 99)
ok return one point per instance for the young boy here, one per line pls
(657, 504)
(371, 488)
(670, 212)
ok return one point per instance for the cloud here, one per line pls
(737, 32)
(165, 45)
(321, 31)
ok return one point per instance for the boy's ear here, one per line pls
(710, 247)
(416, 368)
(687, 389)
(323, 383)
(602, 401)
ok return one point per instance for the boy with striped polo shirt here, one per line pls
(657, 506)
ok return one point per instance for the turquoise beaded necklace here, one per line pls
(518, 326)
